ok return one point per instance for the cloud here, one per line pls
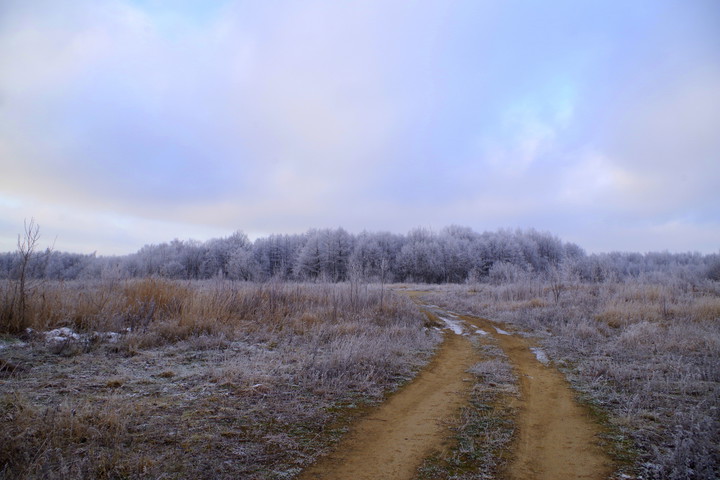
(87, 230)
(278, 117)
(594, 181)
(671, 141)
(525, 137)
(130, 114)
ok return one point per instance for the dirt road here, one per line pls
(556, 437)
(392, 441)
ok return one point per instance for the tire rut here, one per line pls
(556, 439)
(392, 440)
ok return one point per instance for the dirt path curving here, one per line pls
(556, 436)
(392, 441)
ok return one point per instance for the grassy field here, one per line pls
(208, 379)
(160, 379)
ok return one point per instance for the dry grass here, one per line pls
(647, 354)
(203, 379)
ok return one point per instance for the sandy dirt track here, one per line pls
(556, 437)
(392, 441)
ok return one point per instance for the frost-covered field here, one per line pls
(647, 354)
(208, 379)
(151, 378)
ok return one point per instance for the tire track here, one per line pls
(392, 441)
(556, 440)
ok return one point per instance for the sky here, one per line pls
(129, 122)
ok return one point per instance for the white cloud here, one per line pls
(594, 181)
(669, 139)
(528, 132)
(280, 110)
(86, 230)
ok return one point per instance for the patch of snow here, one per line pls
(64, 334)
(501, 331)
(111, 337)
(480, 331)
(454, 325)
(540, 355)
(61, 334)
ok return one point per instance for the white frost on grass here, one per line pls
(454, 325)
(480, 331)
(10, 343)
(111, 337)
(61, 334)
(65, 334)
(540, 355)
(501, 331)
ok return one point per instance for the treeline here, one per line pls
(453, 255)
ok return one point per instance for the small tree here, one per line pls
(356, 277)
(557, 283)
(384, 268)
(26, 245)
(713, 271)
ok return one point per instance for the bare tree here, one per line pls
(356, 277)
(384, 267)
(557, 277)
(26, 245)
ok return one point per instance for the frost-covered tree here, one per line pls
(338, 248)
(456, 254)
(220, 251)
(375, 255)
(310, 264)
(277, 255)
(422, 258)
(191, 257)
(242, 265)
